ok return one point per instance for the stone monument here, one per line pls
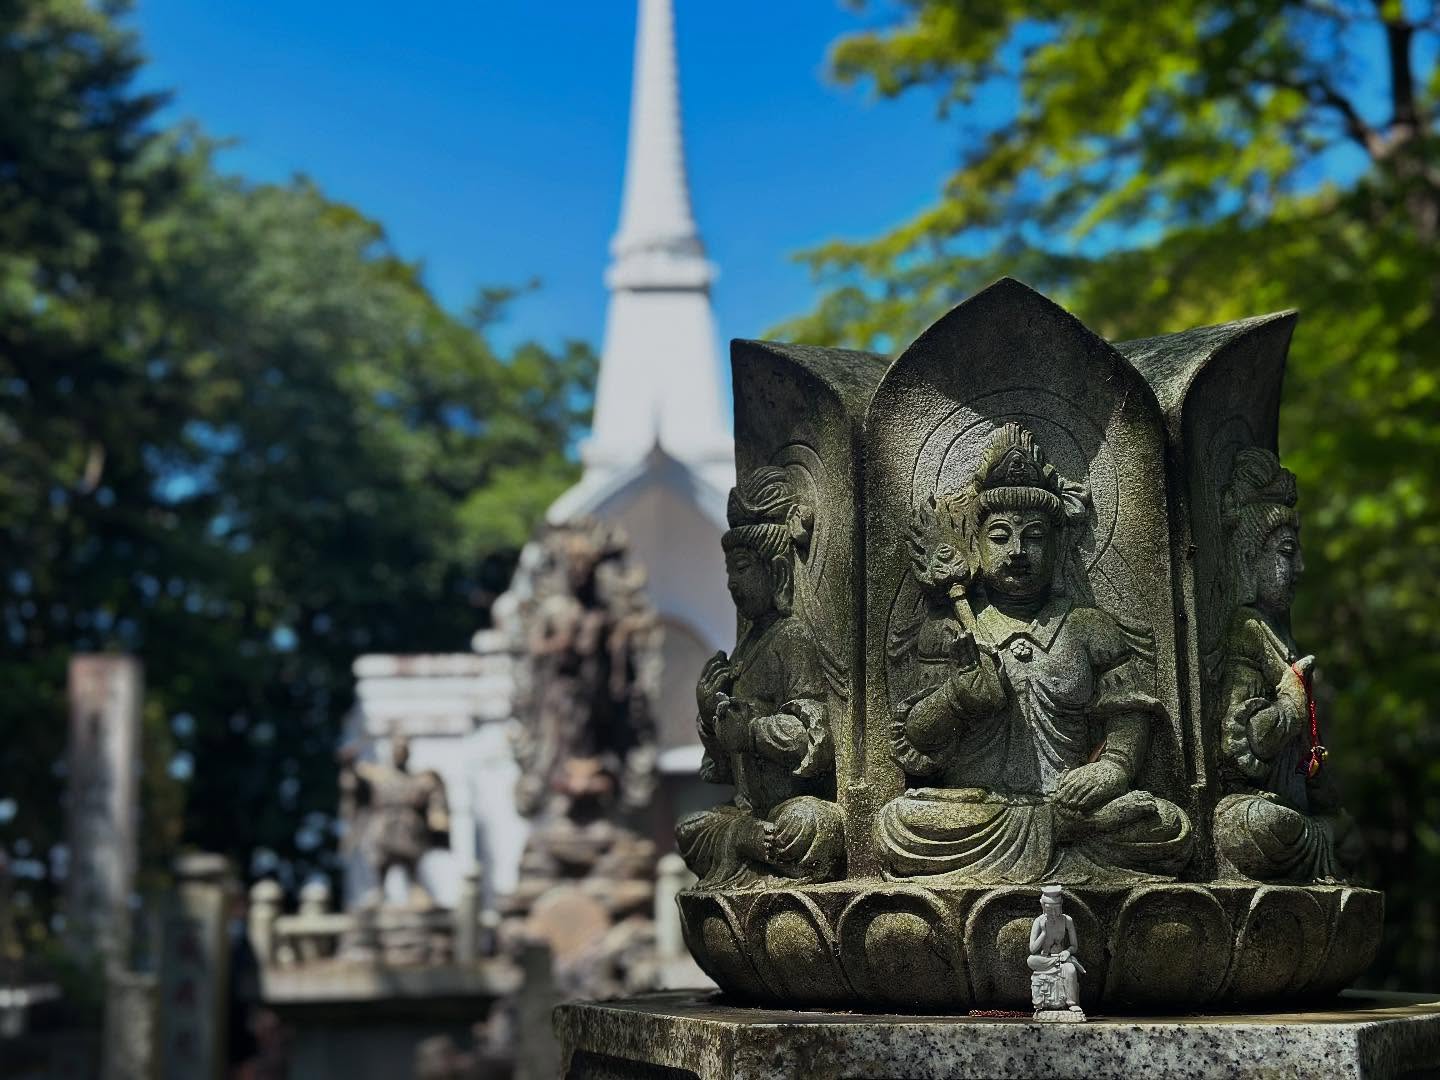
(588, 659)
(1013, 612)
(106, 695)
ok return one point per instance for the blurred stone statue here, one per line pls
(394, 817)
(587, 645)
(1055, 970)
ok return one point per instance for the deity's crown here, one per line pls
(764, 513)
(1257, 479)
(1015, 474)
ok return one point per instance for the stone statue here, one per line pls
(999, 630)
(589, 642)
(1055, 967)
(762, 711)
(1039, 713)
(1280, 818)
(394, 817)
(587, 654)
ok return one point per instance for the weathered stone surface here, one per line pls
(1014, 610)
(683, 1037)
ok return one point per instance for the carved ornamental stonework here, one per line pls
(1013, 611)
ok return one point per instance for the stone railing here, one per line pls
(316, 933)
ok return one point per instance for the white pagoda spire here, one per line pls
(659, 387)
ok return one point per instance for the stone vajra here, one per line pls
(1014, 611)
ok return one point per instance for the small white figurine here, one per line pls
(1055, 970)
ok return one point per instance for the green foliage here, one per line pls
(239, 438)
(1161, 166)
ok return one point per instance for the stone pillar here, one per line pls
(195, 970)
(315, 901)
(467, 918)
(266, 897)
(131, 1050)
(537, 1053)
(102, 806)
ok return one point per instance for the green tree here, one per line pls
(239, 438)
(1156, 167)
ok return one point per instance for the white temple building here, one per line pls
(659, 463)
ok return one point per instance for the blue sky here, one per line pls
(489, 137)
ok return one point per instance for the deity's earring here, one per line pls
(783, 578)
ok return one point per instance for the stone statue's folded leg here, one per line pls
(965, 832)
(708, 842)
(1268, 841)
(808, 841)
(1071, 978)
(1137, 832)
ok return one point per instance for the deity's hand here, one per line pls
(1290, 693)
(965, 653)
(732, 724)
(1092, 785)
(716, 678)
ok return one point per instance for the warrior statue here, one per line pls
(395, 816)
(763, 711)
(1280, 819)
(1036, 710)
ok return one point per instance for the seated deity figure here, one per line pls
(762, 712)
(1035, 713)
(1055, 967)
(1279, 819)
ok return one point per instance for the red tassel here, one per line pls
(1310, 764)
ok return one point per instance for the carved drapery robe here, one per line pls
(1044, 696)
(788, 780)
(1275, 823)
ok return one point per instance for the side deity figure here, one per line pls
(1280, 818)
(1035, 709)
(395, 817)
(763, 711)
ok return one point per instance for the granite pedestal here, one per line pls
(678, 1036)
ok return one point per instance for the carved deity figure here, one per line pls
(763, 711)
(1055, 967)
(395, 817)
(1280, 819)
(1036, 709)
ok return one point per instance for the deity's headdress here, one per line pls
(1015, 474)
(765, 515)
(1259, 499)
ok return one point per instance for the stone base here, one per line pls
(679, 1036)
(1059, 1016)
(943, 948)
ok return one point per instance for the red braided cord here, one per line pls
(1310, 765)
